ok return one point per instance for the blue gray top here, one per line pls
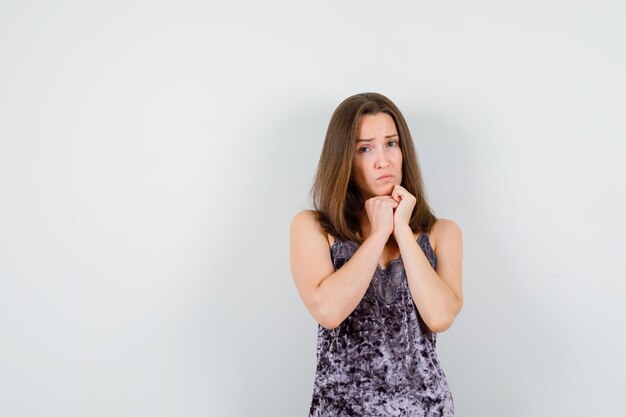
(381, 360)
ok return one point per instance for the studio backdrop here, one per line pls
(153, 154)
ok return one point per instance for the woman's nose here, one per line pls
(382, 162)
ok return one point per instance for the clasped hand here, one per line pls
(388, 213)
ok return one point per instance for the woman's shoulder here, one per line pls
(308, 220)
(442, 230)
(304, 215)
(304, 219)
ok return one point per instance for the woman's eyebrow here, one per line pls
(367, 140)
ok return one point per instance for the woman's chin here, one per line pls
(383, 191)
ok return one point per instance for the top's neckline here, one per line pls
(378, 267)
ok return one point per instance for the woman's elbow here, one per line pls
(440, 324)
(325, 315)
(328, 320)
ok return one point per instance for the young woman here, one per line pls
(376, 269)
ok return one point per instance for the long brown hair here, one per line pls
(336, 199)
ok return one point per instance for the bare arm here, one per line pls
(438, 294)
(329, 295)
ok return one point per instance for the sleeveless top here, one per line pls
(381, 360)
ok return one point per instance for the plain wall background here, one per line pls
(153, 154)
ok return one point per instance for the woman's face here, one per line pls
(377, 163)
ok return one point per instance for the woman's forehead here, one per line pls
(376, 126)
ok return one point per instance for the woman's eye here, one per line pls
(391, 143)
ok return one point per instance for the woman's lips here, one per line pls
(385, 177)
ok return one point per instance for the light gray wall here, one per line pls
(152, 155)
